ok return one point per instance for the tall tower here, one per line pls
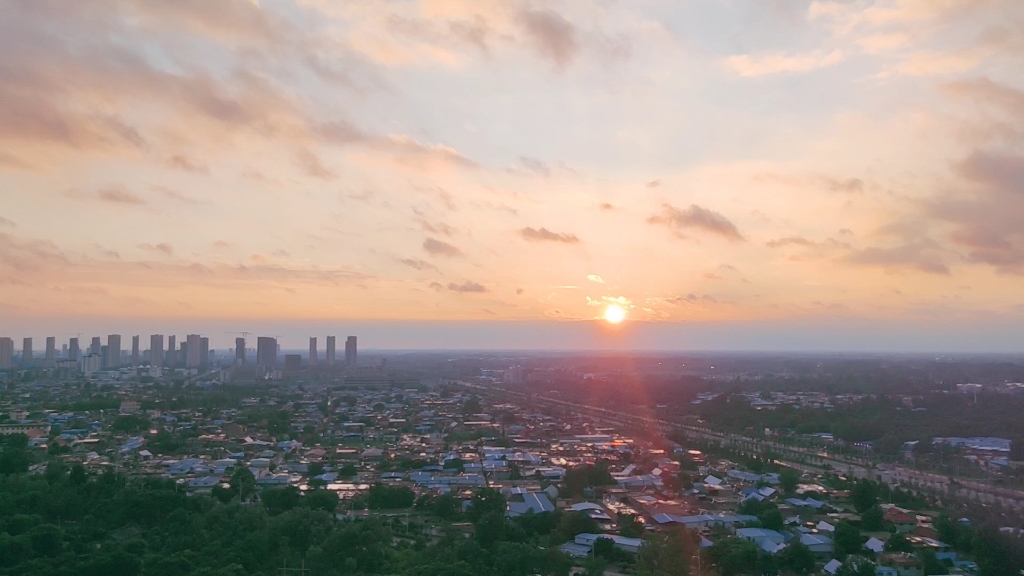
(312, 351)
(156, 350)
(172, 352)
(51, 352)
(266, 352)
(240, 351)
(350, 351)
(204, 351)
(6, 353)
(330, 350)
(26, 352)
(113, 350)
(192, 354)
(73, 350)
(135, 351)
(95, 345)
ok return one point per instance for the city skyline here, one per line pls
(779, 175)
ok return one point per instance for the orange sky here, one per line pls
(702, 162)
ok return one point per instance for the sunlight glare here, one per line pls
(614, 313)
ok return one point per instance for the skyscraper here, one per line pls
(172, 352)
(266, 352)
(350, 351)
(312, 351)
(51, 352)
(204, 351)
(156, 350)
(73, 351)
(330, 350)
(113, 356)
(6, 353)
(240, 351)
(94, 347)
(26, 352)
(192, 354)
(135, 351)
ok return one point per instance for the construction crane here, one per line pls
(244, 334)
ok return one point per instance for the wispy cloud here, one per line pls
(545, 235)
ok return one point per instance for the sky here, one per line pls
(769, 174)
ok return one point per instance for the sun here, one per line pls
(614, 313)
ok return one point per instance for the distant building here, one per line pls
(204, 351)
(113, 356)
(350, 351)
(172, 352)
(73, 351)
(26, 352)
(312, 351)
(330, 350)
(95, 345)
(193, 357)
(135, 351)
(240, 351)
(266, 352)
(6, 353)
(156, 350)
(50, 360)
(292, 362)
(92, 363)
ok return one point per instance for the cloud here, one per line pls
(691, 298)
(607, 206)
(427, 157)
(113, 195)
(764, 64)
(313, 166)
(850, 185)
(552, 36)
(923, 256)
(163, 248)
(182, 162)
(790, 241)
(545, 235)
(7, 222)
(595, 278)
(535, 166)
(439, 248)
(438, 227)
(466, 286)
(420, 265)
(698, 218)
(175, 195)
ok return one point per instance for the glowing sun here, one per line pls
(614, 313)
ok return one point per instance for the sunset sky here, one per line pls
(759, 174)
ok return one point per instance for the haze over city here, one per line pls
(732, 175)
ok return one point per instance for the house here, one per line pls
(833, 566)
(621, 542)
(537, 502)
(885, 571)
(903, 522)
(904, 563)
(817, 543)
(875, 545)
(769, 540)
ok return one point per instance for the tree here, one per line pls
(789, 479)
(666, 554)
(604, 547)
(872, 520)
(797, 557)
(857, 567)
(898, 543)
(347, 471)
(243, 483)
(930, 565)
(383, 496)
(575, 523)
(485, 501)
(864, 495)
(734, 556)
(279, 500)
(771, 519)
(325, 500)
(847, 538)
(14, 456)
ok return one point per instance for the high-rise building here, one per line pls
(95, 345)
(172, 352)
(6, 353)
(330, 350)
(192, 354)
(240, 351)
(136, 359)
(92, 362)
(113, 356)
(312, 351)
(182, 353)
(350, 351)
(292, 362)
(51, 352)
(266, 352)
(156, 350)
(27, 357)
(64, 351)
(73, 350)
(204, 351)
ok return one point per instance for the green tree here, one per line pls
(771, 519)
(325, 500)
(279, 500)
(734, 556)
(575, 523)
(789, 479)
(864, 495)
(898, 543)
(666, 554)
(856, 567)
(872, 520)
(797, 557)
(847, 538)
